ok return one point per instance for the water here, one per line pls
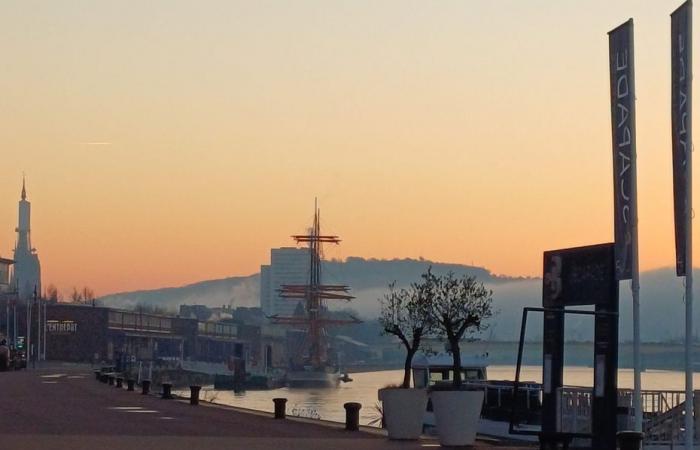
(327, 404)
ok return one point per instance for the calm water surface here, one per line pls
(327, 404)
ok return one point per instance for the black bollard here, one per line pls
(145, 387)
(166, 395)
(130, 384)
(280, 407)
(194, 395)
(110, 380)
(120, 380)
(352, 416)
(97, 375)
(630, 440)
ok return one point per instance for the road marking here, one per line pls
(125, 407)
(55, 375)
(49, 382)
(147, 411)
(166, 418)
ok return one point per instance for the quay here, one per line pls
(62, 406)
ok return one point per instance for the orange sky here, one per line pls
(174, 141)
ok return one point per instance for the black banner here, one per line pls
(681, 45)
(621, 41)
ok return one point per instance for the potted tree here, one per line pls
(459, 308)
(406, 314)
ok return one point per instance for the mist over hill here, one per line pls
(662, 311)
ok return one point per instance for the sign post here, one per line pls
(682, 150)
(576, 277)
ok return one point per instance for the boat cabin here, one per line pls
(429, 370)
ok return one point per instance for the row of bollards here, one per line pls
(112, 380)
(352, 412)
(352, 409)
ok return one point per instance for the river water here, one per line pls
(327, 404)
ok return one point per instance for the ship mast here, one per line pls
(314, 294)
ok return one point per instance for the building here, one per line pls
(5, 265)
(27, 273)
(288, 265)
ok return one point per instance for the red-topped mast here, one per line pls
(315, 293)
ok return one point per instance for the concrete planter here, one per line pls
(403, 411)
(457, 416)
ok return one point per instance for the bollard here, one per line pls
(194, 395)
(280, 407)
(110, 379)
(97, 375)
(120, 380)
(145, 387)
(630, 440)
(130, 384)
(352, 416)
(166, 395)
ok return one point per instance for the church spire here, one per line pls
(24, 189)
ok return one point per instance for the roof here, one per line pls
(422, 361)
(6, 261)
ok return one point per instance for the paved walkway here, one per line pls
(64, 407)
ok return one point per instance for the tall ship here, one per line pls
(310, 365)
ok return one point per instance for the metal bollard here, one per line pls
(280, 407)
(166, 395)
(130, 384)
(110, 380)
(194, 395)
(145, 387)
(120, 382)
(97, 375)
(352, 416)
(630, 440)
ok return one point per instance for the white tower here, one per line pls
(27, 273)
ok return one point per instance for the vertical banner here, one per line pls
(680, 114)
(621, 42)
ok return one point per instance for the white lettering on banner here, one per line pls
(64, 326)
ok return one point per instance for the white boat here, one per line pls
(431, 370)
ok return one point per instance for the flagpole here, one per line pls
(689, 403)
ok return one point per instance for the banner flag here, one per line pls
(680, 125)
(622, 97)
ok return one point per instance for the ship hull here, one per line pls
(312, 379)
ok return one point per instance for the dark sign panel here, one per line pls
(621, 41)
(579, 276)
(680, 124)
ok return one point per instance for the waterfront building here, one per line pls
(5, 266)
(288, 266)
(27, 272)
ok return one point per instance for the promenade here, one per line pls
(64, 407)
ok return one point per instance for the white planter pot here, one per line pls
(457, 416)
(403, 411)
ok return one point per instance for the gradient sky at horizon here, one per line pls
(168, 142)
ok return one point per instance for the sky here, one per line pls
(168, 142)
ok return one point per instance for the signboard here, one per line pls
(63, 326)
(622, 96)
(579, 276)
(681, 49)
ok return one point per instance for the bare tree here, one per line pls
(88, 295)
(406, 314)
(52, 294)
(76, 296)
(460, 305)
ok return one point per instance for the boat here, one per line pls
(436, 369)
(311, 365)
